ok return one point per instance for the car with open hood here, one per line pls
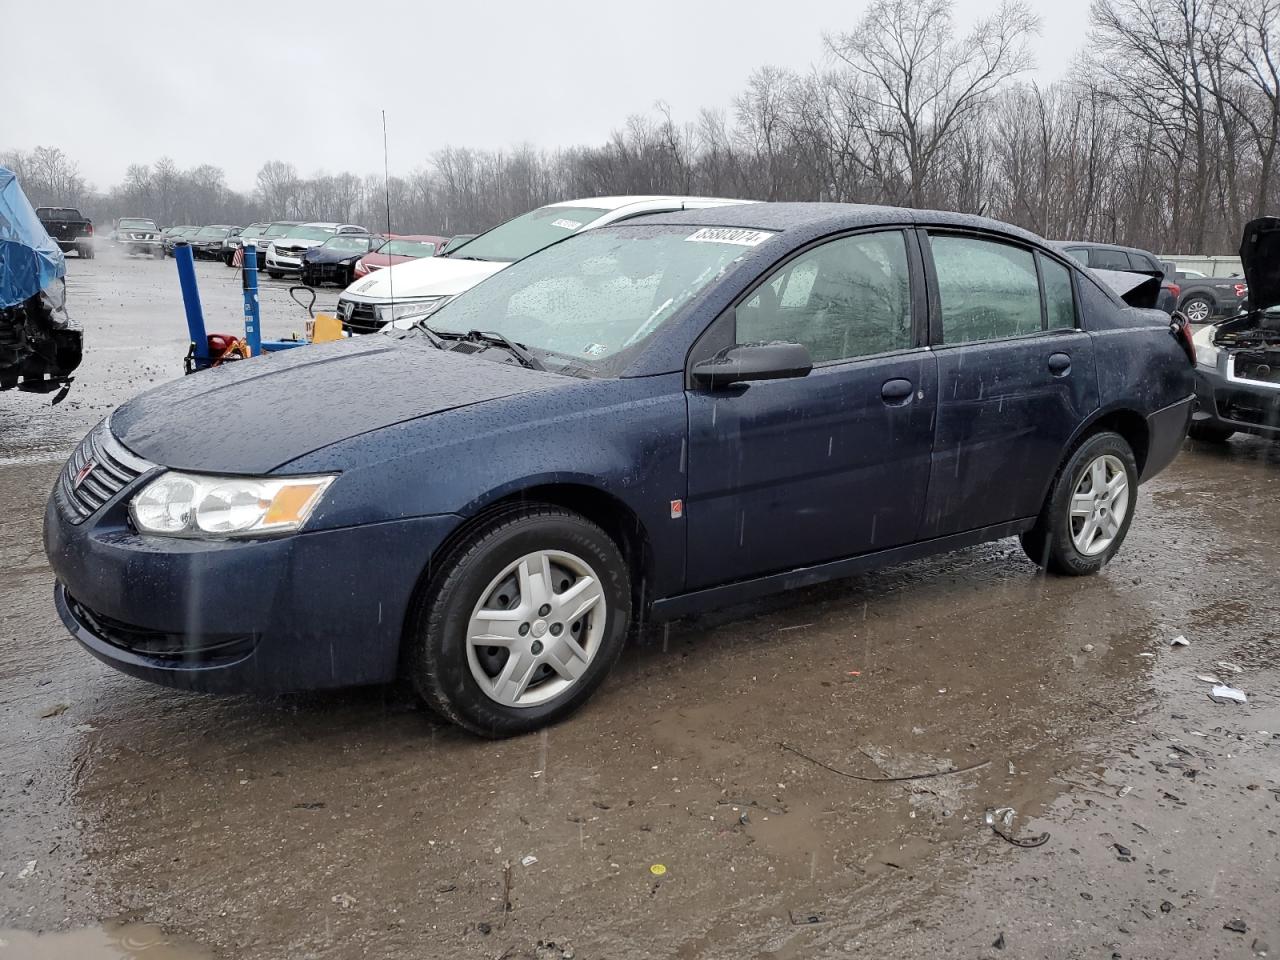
(284, 253)
(1238, 359)
(402, 294)
(398, 249)
(644, 420)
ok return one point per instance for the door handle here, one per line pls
(1059, 364)
(896, 392)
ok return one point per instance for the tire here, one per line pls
(86, 252)
(157, 253)
(1055, 541)
(1198, 308)
(482, 571)
(274, 274)
(1209, 432)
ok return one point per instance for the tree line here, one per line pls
(1163, 135)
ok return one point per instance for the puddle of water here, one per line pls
(111, 941)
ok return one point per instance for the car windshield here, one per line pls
(408, 248)
(277, 230)
(348, 244)
(310, 233)
(589, 301)
(210, 233)
(252, 233)
(136, 224)
(524, 235)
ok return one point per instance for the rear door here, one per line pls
(787, 473)
(1015, 378)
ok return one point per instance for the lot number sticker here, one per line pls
(567, 224)
(741, 238)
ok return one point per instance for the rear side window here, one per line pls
(1108, 259)
(1080, 255)
(988, 290)
(847, 298)
(1059, 299)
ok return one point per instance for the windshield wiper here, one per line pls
(526, 358)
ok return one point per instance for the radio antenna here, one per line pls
(386, 190)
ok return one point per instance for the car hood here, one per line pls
(316, 255)
(1260, 256)
(254, 416)
(425, 277)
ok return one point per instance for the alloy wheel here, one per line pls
(1099, 505)
(536, 628)
(1197, 311)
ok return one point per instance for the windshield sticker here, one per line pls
(741, 238)
(567, 224)
(595, 350)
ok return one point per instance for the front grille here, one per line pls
(202, 648)
(363, 317)
(84, 492)
(1261, 365)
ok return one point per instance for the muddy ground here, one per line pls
(138, 821)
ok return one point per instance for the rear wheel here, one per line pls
(1197, 309)
(521, 623)
(1089, 508)
(86, 251)
(274, 274)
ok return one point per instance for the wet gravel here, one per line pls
(704, 804)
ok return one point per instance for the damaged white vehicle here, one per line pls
(1238, 359)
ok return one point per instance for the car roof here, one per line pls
(1092, 245)
(828, 217)
(617, 203)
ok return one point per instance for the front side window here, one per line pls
(1059, 300)
(849, 297)
(988, 290)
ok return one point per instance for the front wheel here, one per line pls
(274, 274)
(522, 621)
(1089, 508)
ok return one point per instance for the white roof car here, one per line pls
(407, 292)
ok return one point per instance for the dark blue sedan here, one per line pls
(644, 420)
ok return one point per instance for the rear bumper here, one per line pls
(1166, 429)
(1236, 405)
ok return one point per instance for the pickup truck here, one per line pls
(69, 229)
(139, 235)
(1204, 298)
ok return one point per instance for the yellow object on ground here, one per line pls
(324, 328)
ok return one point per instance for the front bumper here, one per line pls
(283, 264)
(329, 272)
(307, 611)
(1241, 405)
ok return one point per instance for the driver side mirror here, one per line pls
(753, 361)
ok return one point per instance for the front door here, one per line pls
(1016, 380)
(788, 473)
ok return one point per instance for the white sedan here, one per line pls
(404, 294)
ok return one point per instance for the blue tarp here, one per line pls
(29, 259)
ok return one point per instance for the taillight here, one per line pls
(1242, 291)
(1181, 329)
(90, 231)
(1175, 290)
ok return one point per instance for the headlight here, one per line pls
(1206, 352)
(189, 505)
(415, 309)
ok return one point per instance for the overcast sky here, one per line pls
(123, 81)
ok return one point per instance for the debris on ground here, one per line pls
(1179, 641)
(658, 869)
(1000, 820)
(999, 941)
(28, 870)
(1260, 948)
(550, 950)
(804, 919)
(1087, 648)
(56, 710)
(344, 900)
(1229, 666)
(1209, 678)
(528, 861)
(1236, 926)
(1122, 850)
(1225, 694)
(1166, 906)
